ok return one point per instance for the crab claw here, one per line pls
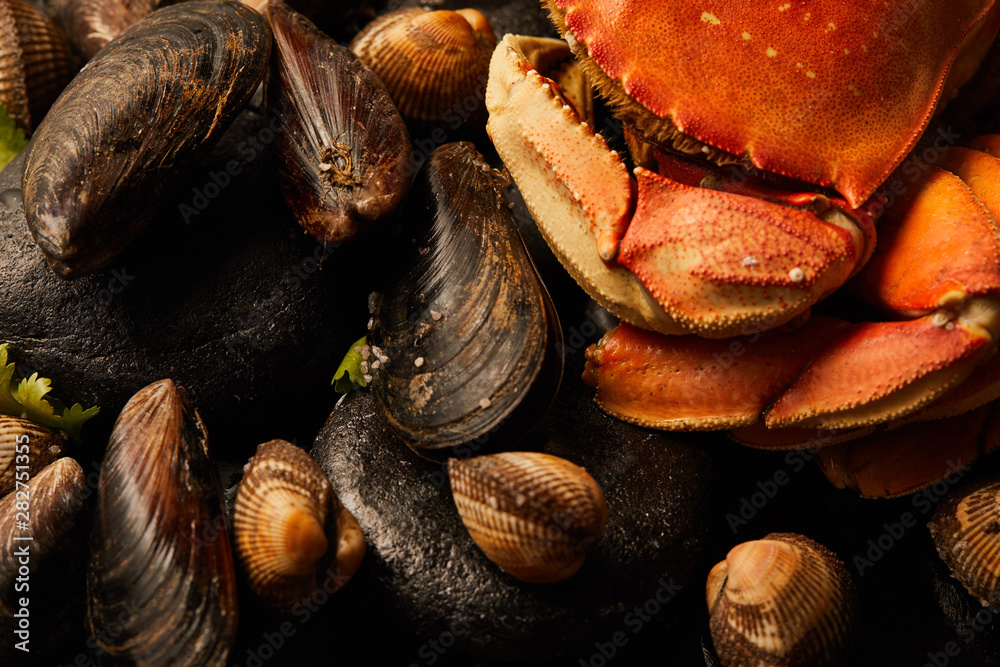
(939, 261)
(688, 259)
(690, 383)
(720, 263)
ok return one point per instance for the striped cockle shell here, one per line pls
(535, 515)
(290, 530)
(784, 600)
(966, 531)
(434, 63)
(43, 447)
(35, 62)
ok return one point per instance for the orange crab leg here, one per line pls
(689, 383)
(924, 260)
(904, 460)
(879, 371)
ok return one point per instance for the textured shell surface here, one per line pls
(35, 62)
(124, 131)
(782, 600)
(43, 446)
(966, 531)
(281, 521)
(343, 149)
(90, 24)
(535, 515)
(57, 498)
(160, 564)
(434, 63)
(466, 334)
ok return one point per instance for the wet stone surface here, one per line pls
(422, 557)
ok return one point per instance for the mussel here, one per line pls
(38, 446)
(124, 131)
(160, 572)
(41, 562)
(535, 515)
(783, 600)
(434, 63)
(343, 152)
(35, 62)
(466, 339)
(292, 535)
(90, 24)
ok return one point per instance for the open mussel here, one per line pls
(434, 63)
(466, 339)
(126, 129)
(784, 600)
(160, 572)
(343, 152)
(535, 515)
(36, 445)
(292, 535)
(35, 62)
(41, 564)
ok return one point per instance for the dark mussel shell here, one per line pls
(127, 128)
(161, 570)
(56, 529)
(343, 153)
(467, 334)
(90, 24)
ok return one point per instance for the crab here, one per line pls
(803, 111)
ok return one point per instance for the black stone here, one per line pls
(658, 493)
(223, 294)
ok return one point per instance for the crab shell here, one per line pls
(696, 251)
(840, 108)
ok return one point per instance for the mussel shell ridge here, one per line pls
(467, 335)
(160, 569)
(145, 109)
(343, 151)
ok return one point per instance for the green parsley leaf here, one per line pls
(29, 400)
(349, 375)
(12, 139)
